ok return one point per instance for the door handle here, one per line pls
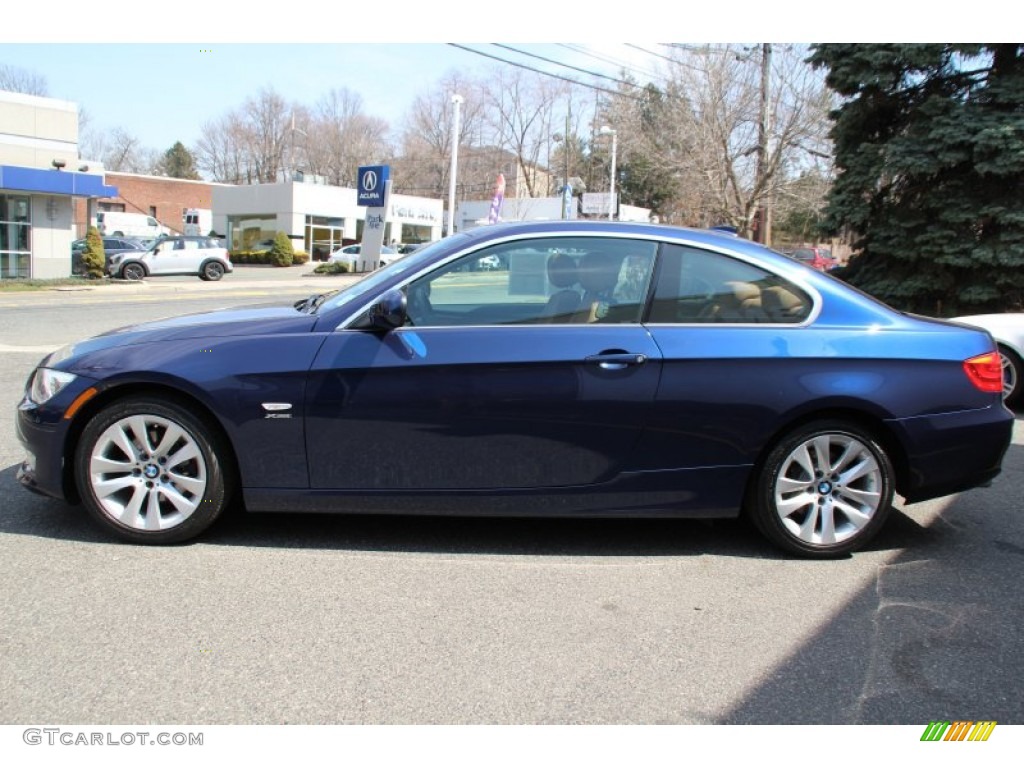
(616, 361)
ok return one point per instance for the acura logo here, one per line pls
(369, 182)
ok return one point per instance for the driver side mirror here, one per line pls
(389, 312)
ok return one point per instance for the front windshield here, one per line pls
(408, 263)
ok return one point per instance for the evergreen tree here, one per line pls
(282, 252)
(93, 257)
(929, 145)
(178, 163)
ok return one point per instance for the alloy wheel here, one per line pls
(828, 489)
(147, 473)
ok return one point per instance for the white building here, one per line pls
(473, 213)
(40, 176)
(317, 217)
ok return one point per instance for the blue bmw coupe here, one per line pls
(549, 369)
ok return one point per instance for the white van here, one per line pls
(197, 221)
(116, 223)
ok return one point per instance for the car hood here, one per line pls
(240, 321)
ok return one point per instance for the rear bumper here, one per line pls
(953, 452)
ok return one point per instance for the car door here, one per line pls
(491, 385)
(161, 258)
(731, 334)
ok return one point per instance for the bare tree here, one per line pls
(222, 150)
(339, 137)
(521, 111)
(122, 151)
(426, 145)
(732, 139)
(265, 122)
(248, 145)
(728, 98)
(21, 80)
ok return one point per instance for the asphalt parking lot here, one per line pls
(343, 619)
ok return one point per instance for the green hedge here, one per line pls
(266, 257)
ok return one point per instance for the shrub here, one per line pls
(250, 257)
(300, 257)
(93, 258)
(337, 268)
(281, 252)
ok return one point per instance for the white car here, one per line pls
(349, 255)
(1008, 331)
(184, 255)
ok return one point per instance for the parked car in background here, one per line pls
(819, 258)
(1008, 331)
(111, 245)
(180, 255)
(613, 370)
(349, 255)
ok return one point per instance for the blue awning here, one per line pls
(53, 182)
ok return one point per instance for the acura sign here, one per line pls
(372, 181)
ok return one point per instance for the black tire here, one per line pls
(211, 270)
(133, 271)
(163, 488)
(852, 486)
(1013, 376)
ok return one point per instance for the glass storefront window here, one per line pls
(15, 236)
(324, 235)
(251, 233)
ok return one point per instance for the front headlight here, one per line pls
(46, 383)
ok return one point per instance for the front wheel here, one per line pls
(150, 472)
(133, 271)
(824, 490)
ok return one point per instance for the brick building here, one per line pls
(161, 197)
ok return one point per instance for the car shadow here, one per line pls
(32, 515)
(935, 631)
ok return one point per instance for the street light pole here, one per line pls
(456, 103)
(606, 131)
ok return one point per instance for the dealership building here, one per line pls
(41, 178)
(317, 217)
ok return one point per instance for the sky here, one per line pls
(150, 70)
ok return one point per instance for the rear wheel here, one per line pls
(212, 270)
(824, 490)
(150, 472)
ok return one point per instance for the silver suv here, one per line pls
(180, 255)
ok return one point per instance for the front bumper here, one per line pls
(43, 432)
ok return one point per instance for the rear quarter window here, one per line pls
(697, 286)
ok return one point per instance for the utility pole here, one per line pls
(456, 103)
(764, 231)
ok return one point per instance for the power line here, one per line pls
(614, 62)
(651, 53)
(548, 74)
(567, 66)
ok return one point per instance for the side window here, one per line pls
(547, 280)
(696, 286)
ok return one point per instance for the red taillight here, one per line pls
(985, 372)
